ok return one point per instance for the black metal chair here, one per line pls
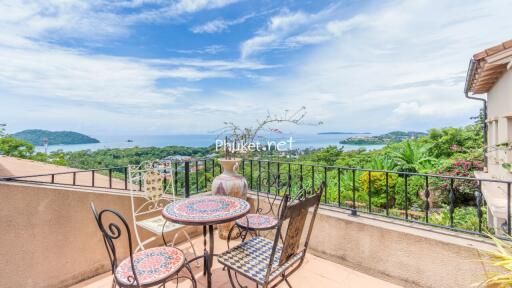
(263, 219)
(267, 263)
(146, 268)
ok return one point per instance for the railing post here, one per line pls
(140, 181)
(53, 178)
(110, 178)
(427, 195)
(250, 173)
(125, 178)
(387, 194)
(339, 187)
(508, 209)
(479, 214)
(289, 179)
(268, 176)
(370, 191)
(197, 176)
(176, 176)
(278, 180)
(213, 168)
(406, 197)
(187, 179)
(74, 178)
(259, 175)
(451, 198)
(325, 181)
(92, 178)
(354, 210)
(205, 177)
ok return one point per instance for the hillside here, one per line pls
(391, 137)
(36, 136)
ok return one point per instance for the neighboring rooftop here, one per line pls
(12, 166)
(17, 167)
(487, 66)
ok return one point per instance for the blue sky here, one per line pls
(186, 66)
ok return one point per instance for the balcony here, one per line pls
(53, 241)
(315, 272)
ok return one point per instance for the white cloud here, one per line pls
(282, 28)
(214, 26)
(180, 7)
(89, 19)
(36, 75)
(397, 65)
(219, 25)
(210, 49)
(394, 65)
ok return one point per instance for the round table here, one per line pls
(206, 211)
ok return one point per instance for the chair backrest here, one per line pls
(271, 198)
(296, 213)
(154, 179)
(112, 234)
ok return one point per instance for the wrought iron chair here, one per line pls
(263, 219)
(146, 268)
(156, 180)
(267, 263)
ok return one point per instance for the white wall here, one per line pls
(499, 106)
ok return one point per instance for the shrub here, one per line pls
(378, 187)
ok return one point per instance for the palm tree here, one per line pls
(412, 157)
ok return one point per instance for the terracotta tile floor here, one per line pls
(315, 272)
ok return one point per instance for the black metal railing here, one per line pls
(190, 177)
(450, 202)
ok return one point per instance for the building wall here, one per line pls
(499, 109)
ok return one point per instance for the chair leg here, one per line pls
(189, 241)
(192, 246)
(230, 233)
(287, 282)
(231, 279)
(192, 278)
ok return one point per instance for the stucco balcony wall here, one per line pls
(49, 235)
(411, 255)
(50, 239)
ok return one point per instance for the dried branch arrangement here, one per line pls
(234, 133)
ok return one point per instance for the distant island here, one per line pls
(391, 137)
(342, 133)
(36, 137)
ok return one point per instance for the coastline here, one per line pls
(302, 142)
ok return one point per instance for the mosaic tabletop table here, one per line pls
(206, 210)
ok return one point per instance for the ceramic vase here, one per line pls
(229, 183)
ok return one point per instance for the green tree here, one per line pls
(15, 147)
(446, 142)
(328, 155)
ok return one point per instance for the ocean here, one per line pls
(301, 141)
